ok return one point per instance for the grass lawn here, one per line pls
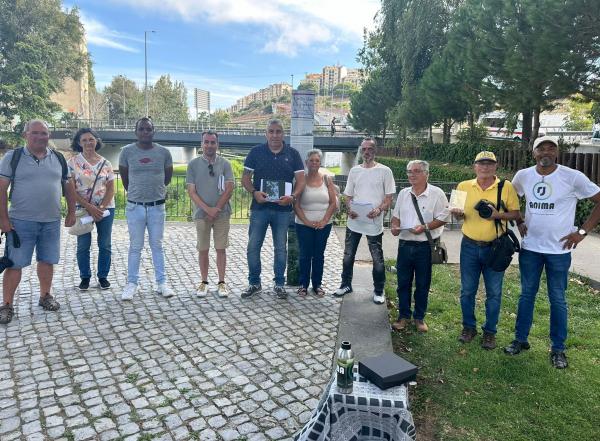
(466, 393)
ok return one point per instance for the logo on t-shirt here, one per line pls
(146, 160)
(542, 191)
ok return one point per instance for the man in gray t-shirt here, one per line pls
(146, 169)
(210, 185)
(34, 216)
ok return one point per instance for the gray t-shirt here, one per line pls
(209, 188)
(37, 186)
(146, 171)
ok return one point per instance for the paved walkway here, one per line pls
(177, 369)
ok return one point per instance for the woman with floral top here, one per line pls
(83, 169)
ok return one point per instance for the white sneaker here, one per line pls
(378, 299)
(166, 292)
(202, 289)
(222, 290)
(128, 292)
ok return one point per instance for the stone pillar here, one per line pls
(348, 159)
(189, 153)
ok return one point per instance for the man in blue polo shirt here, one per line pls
(278, 163)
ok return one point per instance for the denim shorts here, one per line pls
(43, 236)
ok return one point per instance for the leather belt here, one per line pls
(479, 243)
(148, 204)
(414, 243)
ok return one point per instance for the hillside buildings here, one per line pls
(267, 94)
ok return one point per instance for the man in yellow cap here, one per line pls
(479, 230)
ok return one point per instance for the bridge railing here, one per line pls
(193, 127)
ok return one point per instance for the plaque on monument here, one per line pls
(387, 370)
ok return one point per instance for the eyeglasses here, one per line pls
(211, 171)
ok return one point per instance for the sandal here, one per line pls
(319, 292)
(6, 313)
(302, 292)
(48, 303)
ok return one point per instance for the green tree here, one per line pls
(124, 100)
(309, 86)
(529, 53)
(168, 100)
(580, 117)
(344, 89)
(220, 118)
(40, 47)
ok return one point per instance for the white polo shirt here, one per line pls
(433, 205)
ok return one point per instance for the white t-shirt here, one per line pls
(369, 185)
(551, 201)
(433, 204)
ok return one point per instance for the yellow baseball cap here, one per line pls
(485, 156)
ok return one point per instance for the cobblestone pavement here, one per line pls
(176, 369)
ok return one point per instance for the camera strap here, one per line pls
(500, 205)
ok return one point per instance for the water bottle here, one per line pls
(345, 368)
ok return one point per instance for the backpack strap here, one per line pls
(500, 205)
(14, 162)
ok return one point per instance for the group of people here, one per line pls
(38, 176)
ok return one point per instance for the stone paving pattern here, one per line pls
(179, 369)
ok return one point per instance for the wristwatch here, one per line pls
(582, 232)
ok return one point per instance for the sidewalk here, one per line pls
(585, 259)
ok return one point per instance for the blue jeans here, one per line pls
(557, 267)
(138, 219)
(350, 246)
(472, 266)
(260, 220)
(43, 236)
(312, 243)
(413, 262)
(84, 243)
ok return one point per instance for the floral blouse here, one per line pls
(84, 174)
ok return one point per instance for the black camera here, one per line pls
(484, 209)
(5, 262)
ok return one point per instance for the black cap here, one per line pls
(346, 345)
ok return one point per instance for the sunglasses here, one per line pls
(211, 171)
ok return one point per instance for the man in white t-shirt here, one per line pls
(369, 193)
(551, 193)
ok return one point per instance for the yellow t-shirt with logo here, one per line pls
(474, 226)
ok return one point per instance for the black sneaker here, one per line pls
(488, 341)
(6, 314)
(280, 292)
(104, 283)
(515, 347)
(342, 291)
(559, 359)
(251, 290)
(85, 284)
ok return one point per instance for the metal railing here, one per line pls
(193, 127)
(179, 206)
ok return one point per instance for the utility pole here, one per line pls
(146, 68)
(292, 81)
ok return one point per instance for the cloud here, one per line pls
(99, 35)
(289, 26)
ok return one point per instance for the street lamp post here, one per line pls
(146, 68)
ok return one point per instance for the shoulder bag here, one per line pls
(439, 254)
(79, 228)
(505, 244)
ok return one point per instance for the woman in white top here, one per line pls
(314, 210)
(93, 178)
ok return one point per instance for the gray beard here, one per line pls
(546, 162)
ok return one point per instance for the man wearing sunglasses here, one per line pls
(210, 185)
(37, 185)
(146, 169)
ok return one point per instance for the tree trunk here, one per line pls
(536, 124)
(430, 134)
(446, 132)
(526, 137)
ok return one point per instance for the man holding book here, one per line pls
(269, 173)
(210, 183)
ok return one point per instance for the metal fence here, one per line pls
(179, 206)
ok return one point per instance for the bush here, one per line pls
(476, 135)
